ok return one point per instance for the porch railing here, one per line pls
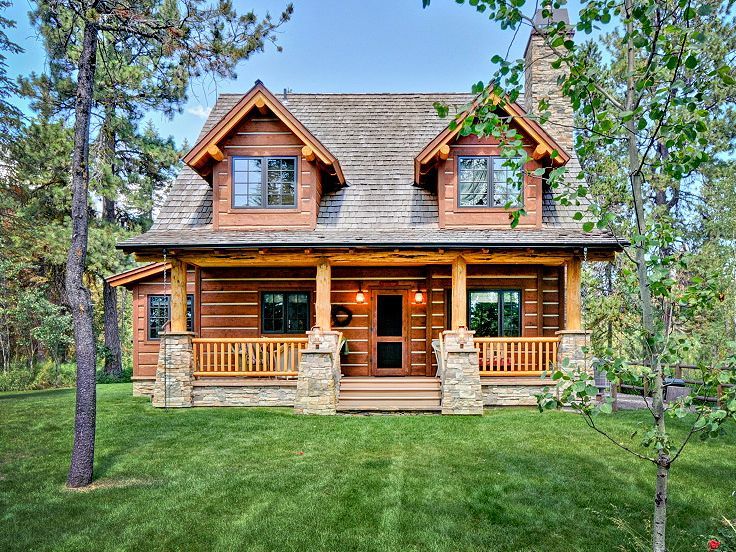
(516, 356)
(248, 357)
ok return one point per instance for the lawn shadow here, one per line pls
(35, 394)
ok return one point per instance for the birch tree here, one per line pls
(655, 116)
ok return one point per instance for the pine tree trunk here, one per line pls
(113, 356)
(78, 295)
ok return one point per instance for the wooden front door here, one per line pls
(389, 347)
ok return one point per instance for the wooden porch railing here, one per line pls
(516, 356)
(248, 357)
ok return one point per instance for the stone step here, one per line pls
(381, 403)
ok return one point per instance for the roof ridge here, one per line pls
(237, 94)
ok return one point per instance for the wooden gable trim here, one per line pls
(207, 149)
(136, 274)
(438, 147)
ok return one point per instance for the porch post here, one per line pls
(573, 339)
(178, 296)
(460, 374)
(323, 299)
(573, 270)
(318, 385)
(174, 372)
(459, 293)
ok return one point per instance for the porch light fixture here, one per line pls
(418, 297)
(360, 296)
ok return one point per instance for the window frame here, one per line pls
(190, 297)
(284, 325)
(264, 182)
(491, 185)
(500, 292)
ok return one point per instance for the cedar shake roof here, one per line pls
(375, 137)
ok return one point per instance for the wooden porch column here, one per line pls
(459, 293)
(572, 294)
(323, 300)
(178, 296)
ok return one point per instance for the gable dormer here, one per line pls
(474, 182)
(267, 171)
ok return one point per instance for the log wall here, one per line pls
(227, 304)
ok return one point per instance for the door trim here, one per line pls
(405, 330)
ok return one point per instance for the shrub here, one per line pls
(16, 380)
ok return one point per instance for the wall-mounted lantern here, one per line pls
(418, 297)
(360, 296)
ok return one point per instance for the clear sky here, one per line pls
(338, 46)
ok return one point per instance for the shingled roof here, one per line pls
(375, 137)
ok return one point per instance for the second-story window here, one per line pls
(264, 182)
(489, 182)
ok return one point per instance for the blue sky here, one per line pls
(338, 46)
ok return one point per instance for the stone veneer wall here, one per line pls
(495, 394)
(318, 386)
(143, 388)
(275, 393)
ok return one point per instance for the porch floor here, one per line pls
(389, 394)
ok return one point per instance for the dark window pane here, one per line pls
(389, 355)
(285, 312)
(483, 313)
(298, 313)
(390, 315)
(511, 313)
(247, 184)
(159, 313)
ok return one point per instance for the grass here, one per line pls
(265, 479)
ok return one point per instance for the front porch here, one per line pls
(407, 322)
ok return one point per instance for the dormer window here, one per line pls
(489, 182)
(260, 182)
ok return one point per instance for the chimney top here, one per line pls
(558, 15)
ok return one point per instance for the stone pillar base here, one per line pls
(461, 390)
(571, 347)
(173, 387)
(317, 388)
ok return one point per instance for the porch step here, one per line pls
(389, 394)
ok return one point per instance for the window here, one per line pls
(264, 182)
(495, 313)
(490, 182)
(284, 312)
(159, 314)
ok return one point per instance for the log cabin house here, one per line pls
(353, 252)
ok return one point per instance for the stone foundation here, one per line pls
(461, 389)
(276, 393)
(503, 394)
(173, 387)
(143, 388)
(318, 385)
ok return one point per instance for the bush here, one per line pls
(41, 376)
(16, 380)
(125, 377)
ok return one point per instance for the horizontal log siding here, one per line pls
(145, 352)
(227, 305)
(453, 216)
(260, 135)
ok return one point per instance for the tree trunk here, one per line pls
(659, 525)
(78, 295)
(113, 355)
(650, 351)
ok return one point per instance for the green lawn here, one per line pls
(265, 479)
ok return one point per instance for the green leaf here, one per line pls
(691, 61)
(588, 226)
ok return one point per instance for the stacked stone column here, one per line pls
(571, 347)
(318, 386)
(461, 390)
(174, 373)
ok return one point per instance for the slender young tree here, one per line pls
(669, 89)
(191, 35)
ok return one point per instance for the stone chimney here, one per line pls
(541, 81)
